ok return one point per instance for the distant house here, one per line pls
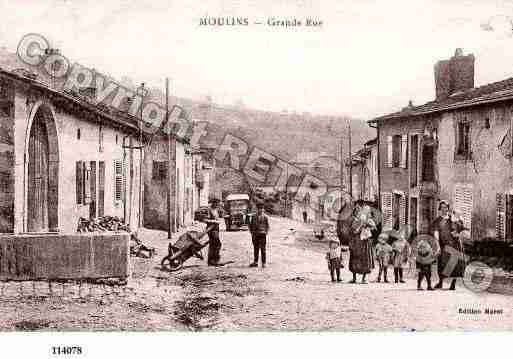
(458, 147)
(364, 172)
(62, 158)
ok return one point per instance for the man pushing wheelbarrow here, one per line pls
(213, 219)
(190, 243)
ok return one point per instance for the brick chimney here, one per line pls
(455, 74)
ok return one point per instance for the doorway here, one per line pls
(42, 173)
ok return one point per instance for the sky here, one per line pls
(369, 58)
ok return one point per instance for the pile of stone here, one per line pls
(102, 224)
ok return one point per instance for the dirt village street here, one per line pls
(293, 292)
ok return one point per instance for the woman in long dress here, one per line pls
(446, 229)
(361, 260)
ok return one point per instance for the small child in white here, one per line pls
(334, 259)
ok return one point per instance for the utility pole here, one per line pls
(141, 147)
(341, 165)
(350, 163)
(170, 168)
(287, 192)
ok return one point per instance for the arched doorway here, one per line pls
(42, 173)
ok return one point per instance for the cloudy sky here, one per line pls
(368, 58)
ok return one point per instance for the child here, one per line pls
(334, 259)
(383, 254)
(400, 251)
(424, 258)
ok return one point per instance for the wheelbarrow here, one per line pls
(188, 245)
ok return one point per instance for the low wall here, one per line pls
(55, 256)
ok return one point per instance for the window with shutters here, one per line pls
(118, 181)
(92, 186)
(386, 209)
(83, 179)
(397, 147)
(399, 211)
(463, 204)
(79, 178)
(463, 148)
(159, 171)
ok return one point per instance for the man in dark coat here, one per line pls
(259, 227)
(214, 246)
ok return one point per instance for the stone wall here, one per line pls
(80, 256)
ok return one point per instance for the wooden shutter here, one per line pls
(118, 181)
(86, 181)
(101, 189)
(463, 203)
(390, 152)
(79, 176)
(386, 209)
(402, 211)
(404, 151)
(92, 186)
(500, 220)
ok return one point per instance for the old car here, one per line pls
(237, 211)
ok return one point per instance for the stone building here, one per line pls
(190, 182)
(364, 172)
(457, 147)
(203, 169)
(62, 158)
(157, 182)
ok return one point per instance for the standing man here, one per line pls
(213, 219)
(259, 227)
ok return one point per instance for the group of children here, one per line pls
(396, 254)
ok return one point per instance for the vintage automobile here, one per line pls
(237, 211)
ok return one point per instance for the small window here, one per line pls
(78, 134)
(463, 140)
(116, 139)
(159, 171)
(428, 164)
(100, 139)
(396, 147)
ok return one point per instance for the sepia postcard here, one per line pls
(260, 166)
